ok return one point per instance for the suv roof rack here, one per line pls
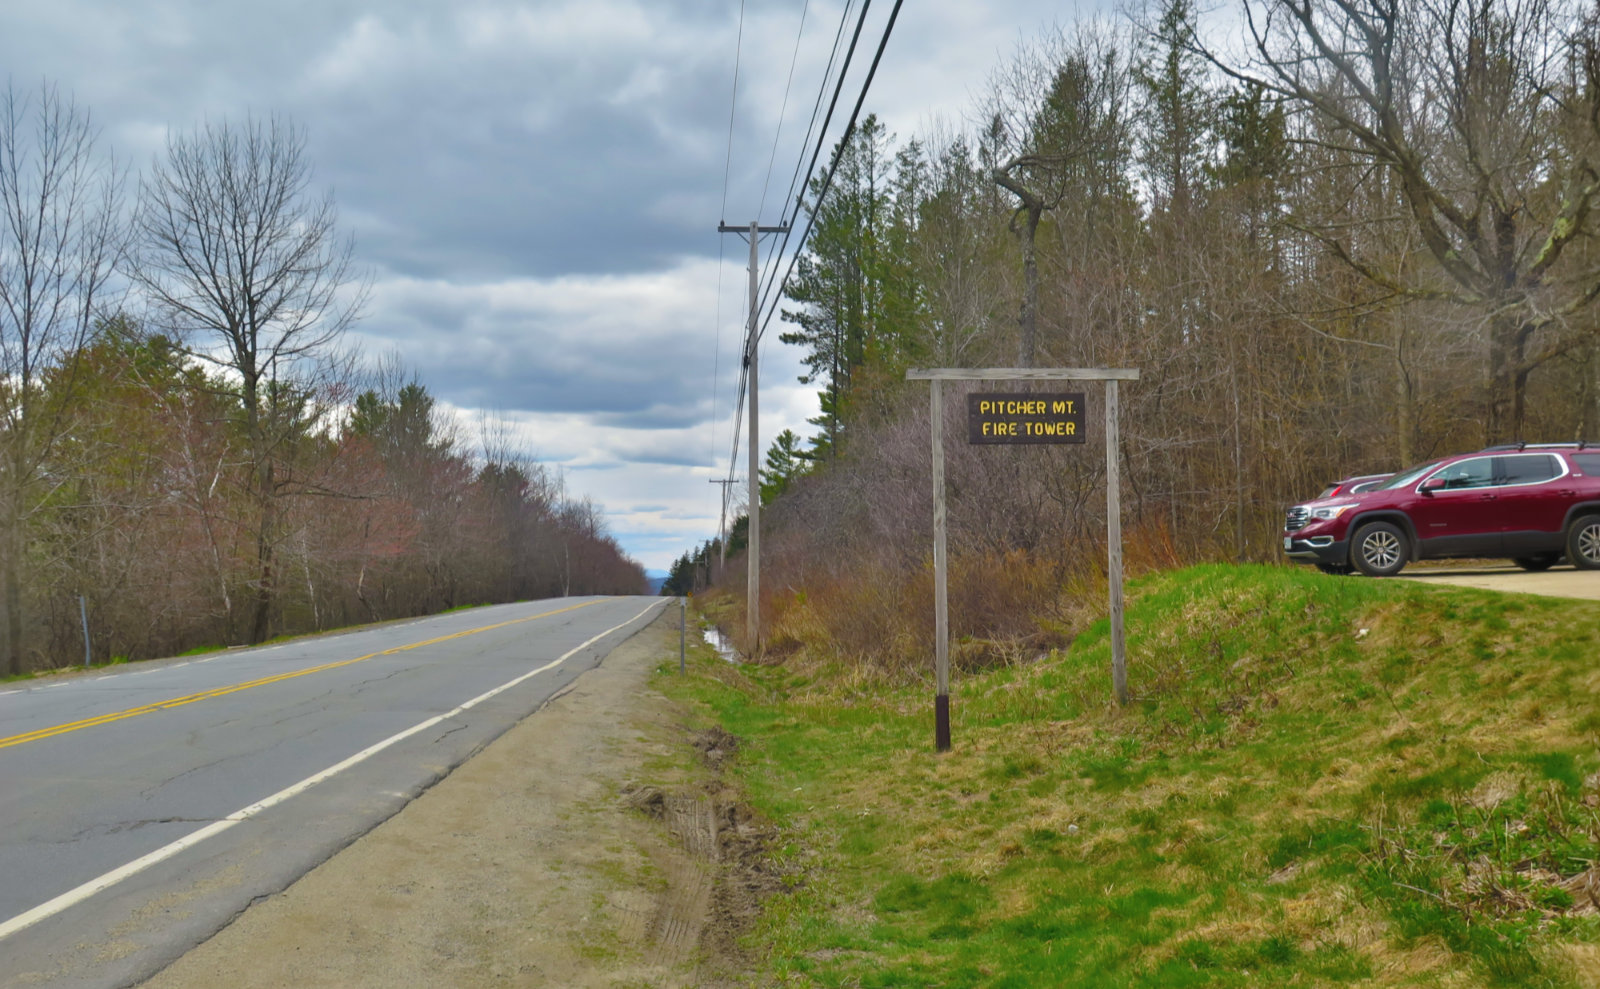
(1519, 447)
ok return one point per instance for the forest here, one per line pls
(191, 454)
(1333, 238)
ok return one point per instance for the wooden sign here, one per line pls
(1025, 417)
(1069, 411)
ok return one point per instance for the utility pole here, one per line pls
(753, 233)
(722, 524)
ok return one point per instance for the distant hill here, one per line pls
(655, 578)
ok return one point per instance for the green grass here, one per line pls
(1320, 781)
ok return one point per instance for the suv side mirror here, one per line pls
(1431, 485)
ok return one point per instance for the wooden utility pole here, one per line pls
(722, 524)
(753, 233)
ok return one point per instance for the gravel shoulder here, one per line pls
(528, 865)
(1561, 582)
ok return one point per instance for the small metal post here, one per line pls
(941, 604)
(83, 612)
(683, 634)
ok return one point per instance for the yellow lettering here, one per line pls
(1071, 429)
(1058, 407)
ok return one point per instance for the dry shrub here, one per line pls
(1004, 608)
(868, 609)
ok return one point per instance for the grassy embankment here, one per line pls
(1322, 781)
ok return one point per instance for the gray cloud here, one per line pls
(535, 185)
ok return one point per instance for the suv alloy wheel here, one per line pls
(1583, 543)
(1379, 549)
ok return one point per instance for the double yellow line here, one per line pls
(133, 712)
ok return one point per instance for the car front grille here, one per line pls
(1299, 515)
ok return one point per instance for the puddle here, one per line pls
(716, 640)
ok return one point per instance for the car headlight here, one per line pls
(1327, 512)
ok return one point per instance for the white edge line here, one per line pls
(72, 897)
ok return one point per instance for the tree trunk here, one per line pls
(10, 612)
(1027, 320)
(1405, 413)
(13, 590)
(1497, 422)
(261, 621)
(1589, 404)
(1508, 380)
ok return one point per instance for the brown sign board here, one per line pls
(1025, 417)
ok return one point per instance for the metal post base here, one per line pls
(941, 722)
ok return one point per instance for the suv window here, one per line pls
(1528, 468)
(1406, 477)
(1589, 463)
(1475, 473)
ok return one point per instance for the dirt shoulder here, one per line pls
(571, 852)
(1559, 582)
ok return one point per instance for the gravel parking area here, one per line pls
(1558, 582)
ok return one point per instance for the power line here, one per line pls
(816, 108)
(727, 166)
(782, 110)
(828, 179)
(822, 134)
(733, 104)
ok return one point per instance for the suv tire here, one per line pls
(1535, 564)
(1583, 543)
(1380, 549)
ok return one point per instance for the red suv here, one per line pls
(1534, 504)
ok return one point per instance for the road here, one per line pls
(142, 809)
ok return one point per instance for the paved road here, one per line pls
(1560, 582)
(143, 809)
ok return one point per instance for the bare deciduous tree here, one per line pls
(61, 238)
(1484, 112)
(1056, 114)
(243, 262)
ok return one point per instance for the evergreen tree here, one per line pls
(839, 283)
(785, 462)
(1179, 110)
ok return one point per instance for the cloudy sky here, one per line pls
(535, 187)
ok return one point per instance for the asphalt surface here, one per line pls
(143, 809)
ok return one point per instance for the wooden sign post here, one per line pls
(1021, 418)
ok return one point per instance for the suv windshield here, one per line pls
(1406, 477)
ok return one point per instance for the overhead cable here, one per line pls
(827, 180)
(822, 137)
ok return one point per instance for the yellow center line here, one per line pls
(133, 712)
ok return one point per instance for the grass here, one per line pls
(1321, 781)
